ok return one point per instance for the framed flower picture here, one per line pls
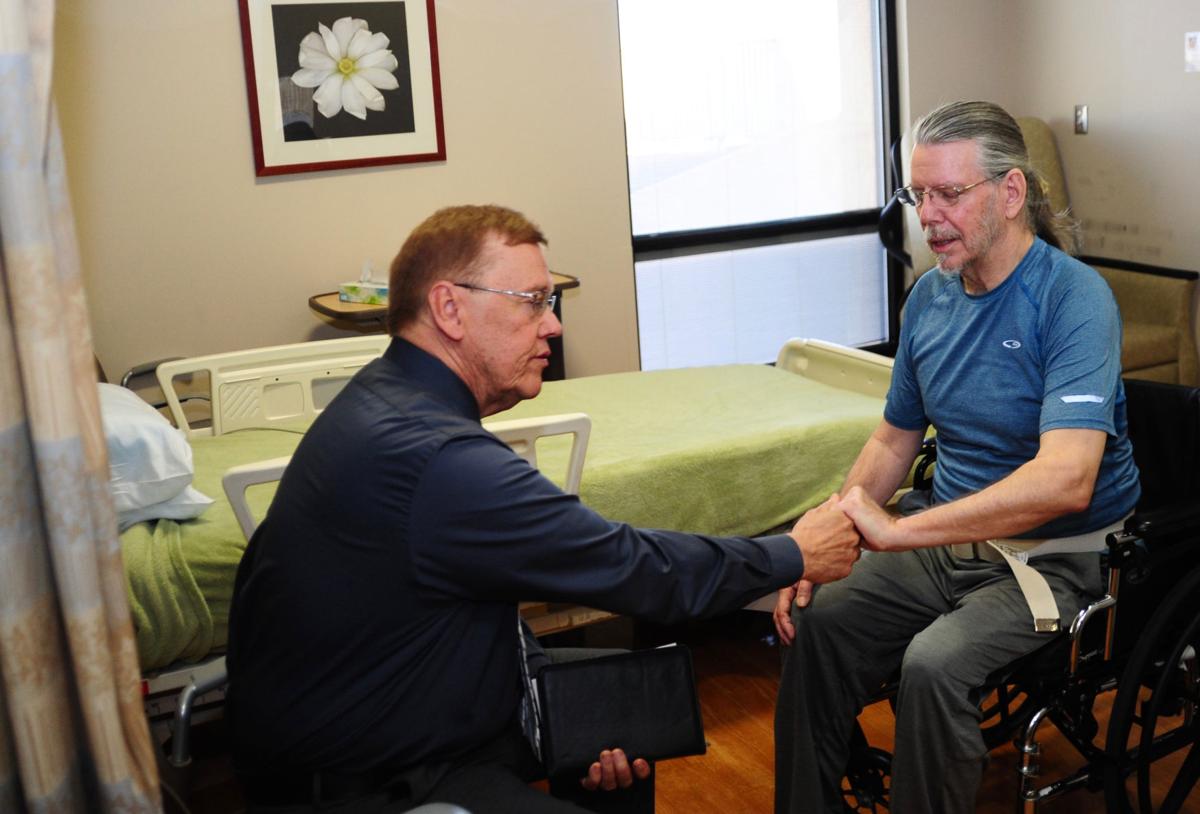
(336, 84)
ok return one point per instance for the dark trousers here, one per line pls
(947, 623)
(493, 779)
(500, 784)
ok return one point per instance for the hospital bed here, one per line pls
(734, 449)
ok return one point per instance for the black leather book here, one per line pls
(643, 702)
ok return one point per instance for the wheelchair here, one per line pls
(1137, 644)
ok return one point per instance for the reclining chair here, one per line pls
(1139, 643)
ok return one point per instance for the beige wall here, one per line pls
(1134, 179)
(955, 50)
(186, 252)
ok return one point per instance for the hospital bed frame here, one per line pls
(852, 369)
(283, 384)
(257, 388)
(266, 387)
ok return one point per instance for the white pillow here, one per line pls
(184, 506)
(149, 460)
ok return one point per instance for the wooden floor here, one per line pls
(738, 677)
(737, 673)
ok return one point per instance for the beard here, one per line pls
(981, 236)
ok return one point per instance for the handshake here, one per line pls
(832, 537)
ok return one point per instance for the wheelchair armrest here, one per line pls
(1145, 543)
(1125, 549)
(927, 457)
(1165, 520)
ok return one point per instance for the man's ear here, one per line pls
(443, 304)
(1015, 188)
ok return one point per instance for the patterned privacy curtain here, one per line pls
(72, 733)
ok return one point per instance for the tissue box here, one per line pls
(370, 293)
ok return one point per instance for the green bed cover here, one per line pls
(734, 449)
(180, 574)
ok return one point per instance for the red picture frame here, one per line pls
(326, 91)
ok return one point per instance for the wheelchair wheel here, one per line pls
(1154, 729)
(867, 785)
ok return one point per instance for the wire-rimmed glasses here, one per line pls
(944, 196)
(539, 301)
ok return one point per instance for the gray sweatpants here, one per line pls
(947, 623)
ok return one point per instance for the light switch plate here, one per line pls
(1081, 119)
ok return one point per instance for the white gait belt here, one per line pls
(1018, 553)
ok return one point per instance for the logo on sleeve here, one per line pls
(1086, 398)
(1011, 344)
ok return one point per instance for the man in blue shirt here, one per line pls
(373, 647)
(1011, 351)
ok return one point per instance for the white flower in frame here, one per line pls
(348, 65)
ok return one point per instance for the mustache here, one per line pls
(932, 234)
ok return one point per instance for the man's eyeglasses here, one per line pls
(539, 301)
(945, 196)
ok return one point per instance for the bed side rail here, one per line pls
(851, 369)
(262, 387)
(522, 434)
(237, 480)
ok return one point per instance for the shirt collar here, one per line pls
(433, 376)
(1028, 262)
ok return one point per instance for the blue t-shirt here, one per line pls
(992, 372)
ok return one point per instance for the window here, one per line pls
(756, 135)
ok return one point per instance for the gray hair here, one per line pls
(1001, 148)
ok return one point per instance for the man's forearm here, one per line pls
(884, 462)
(1058, 481)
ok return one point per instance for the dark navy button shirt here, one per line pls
(374, 615)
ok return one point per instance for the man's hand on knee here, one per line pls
(613, 770)
(799, 594)
(783, 614)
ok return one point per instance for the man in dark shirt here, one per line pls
(373, 649)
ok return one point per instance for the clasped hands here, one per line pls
(832, 537)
